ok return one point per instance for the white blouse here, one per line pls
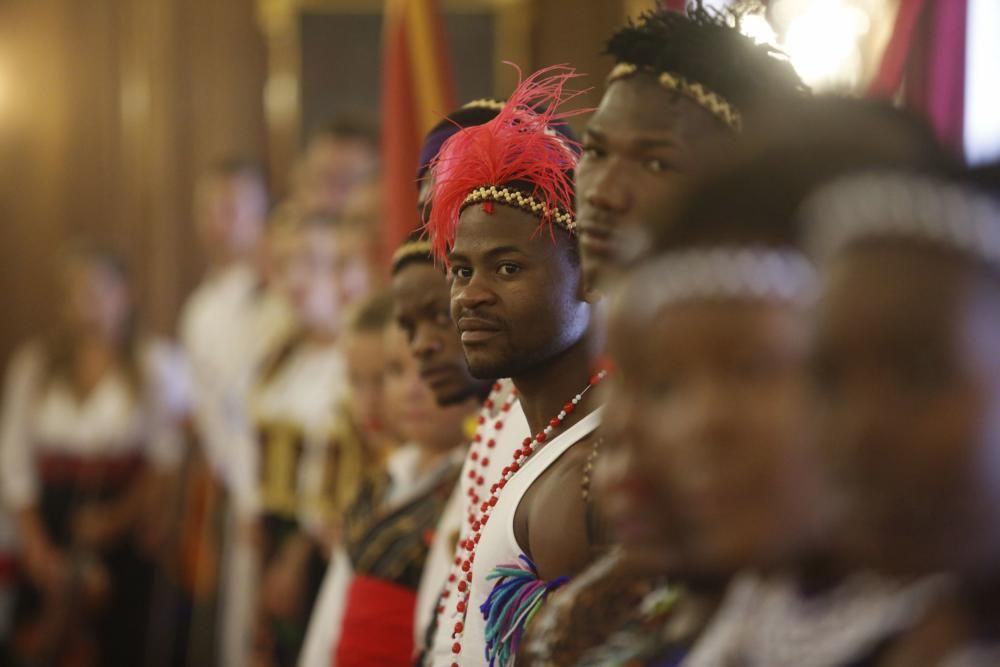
(301, 395)
(41, 417)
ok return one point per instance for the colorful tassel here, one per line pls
(516, 597)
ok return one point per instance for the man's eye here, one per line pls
(461, 272)
(591, 151)
(508, 269)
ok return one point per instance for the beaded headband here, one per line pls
(894, 205)
(753, 273)
(412, 250)
(712, 102)
(522, 200)
(517, 159)
(484, 103)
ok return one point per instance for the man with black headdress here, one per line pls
(683, 87)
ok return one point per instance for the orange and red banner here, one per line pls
(417, 91)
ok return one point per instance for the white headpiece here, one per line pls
(896, 205)
(726, 272)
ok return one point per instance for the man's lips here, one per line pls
(596, 238)
(476, 330)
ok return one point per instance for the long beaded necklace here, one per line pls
(461, 575)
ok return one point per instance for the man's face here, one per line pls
(326, 272)
(516, 293)
(907, 373)
(331, 169)
(231, 213)
(640, 148)
(423, 311)
(707, 470)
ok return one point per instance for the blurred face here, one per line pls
(516, 294)
(331, 170)
(326, 272)
(707, 469)
(231, 214)
(98, 300)
(640, 147)
(414, 412)
(365, 357)
(907, 370)
(421, 294)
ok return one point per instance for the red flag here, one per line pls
(417, 91)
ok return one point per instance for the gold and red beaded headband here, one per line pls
(712, 102)
(522, 200)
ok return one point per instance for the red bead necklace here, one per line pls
(461, 574)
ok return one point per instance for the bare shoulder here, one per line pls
(551, 520)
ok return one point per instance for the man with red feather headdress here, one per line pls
(503, 223)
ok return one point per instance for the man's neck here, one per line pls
(546, 388)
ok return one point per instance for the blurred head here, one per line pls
(907, 370)
(97, 295)
(339, 158)
(326, 271)
(231, 202)
(650, 132)
(413, 411)
(709, 469)
(364, 353)
(423, 311)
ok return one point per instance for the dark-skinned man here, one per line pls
(683, 88)
(503, 220)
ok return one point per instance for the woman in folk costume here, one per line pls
(292, 417)
(90, 419)
(388, 531)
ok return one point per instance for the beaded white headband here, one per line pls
(755, 273)
(894, 205)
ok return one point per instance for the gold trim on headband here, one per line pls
(484, 103)
(521, 200)
(712, 102)
(412, 249)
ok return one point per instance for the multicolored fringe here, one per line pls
(516, 597)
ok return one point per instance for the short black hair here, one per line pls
(348, 127)
(705, 46)
(232, 166)
(755, 196)
(413, 254)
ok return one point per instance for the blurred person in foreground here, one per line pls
(652, 599)
(296, 476)
(906, 376)
(90, 427)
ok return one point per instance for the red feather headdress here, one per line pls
(516, 160)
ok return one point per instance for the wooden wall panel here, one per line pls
(115, 107)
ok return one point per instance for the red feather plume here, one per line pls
(516, 146)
